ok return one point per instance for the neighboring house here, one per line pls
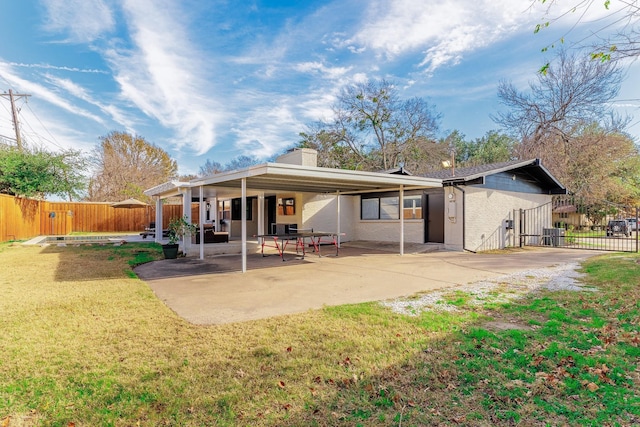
(469, 211)
(566, 216)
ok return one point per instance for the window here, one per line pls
(370, 208)
(387, 206)
(380, 207)
(412, 208)
(236, 209)
(224, 207)
(287, 206)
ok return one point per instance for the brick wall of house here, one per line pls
(320, 213)
(486, 212)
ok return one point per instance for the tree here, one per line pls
(373, 129)
(240, 162)
(126, 165)
(600, 165)
(210, 168)
(38, 173)
(566, 121)
(332, 151)
(624, 43)
(573, 91)
(493, 147)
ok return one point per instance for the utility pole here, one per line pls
(12, 97)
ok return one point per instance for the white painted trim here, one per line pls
(201, 210)
(401, 214)
(244, 224)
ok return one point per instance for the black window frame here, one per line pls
(236, 209)
(396, 194)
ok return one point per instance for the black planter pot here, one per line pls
(170, 251)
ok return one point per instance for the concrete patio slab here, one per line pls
(212, 291)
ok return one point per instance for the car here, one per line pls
(633, 224)
(618, 226)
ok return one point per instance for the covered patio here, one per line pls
(268, 180)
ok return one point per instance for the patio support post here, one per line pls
(244, 225)
(202, 211)
(401, 212)
(338, 219)
(158, 236)
(261, 213)
(214, 207)
(186, 212)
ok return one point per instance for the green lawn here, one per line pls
(85, 343)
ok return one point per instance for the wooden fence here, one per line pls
(22, 218)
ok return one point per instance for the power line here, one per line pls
(53, 140)
(6, 140)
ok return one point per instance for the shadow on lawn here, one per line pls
(193, 266)
(79, 262)
(73, 259)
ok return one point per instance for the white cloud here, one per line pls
(444, 31)
(40, 124)
(79, 92)
(82, 20)
(269, 128)
(331, 73)
(44, 93)
(163, 75)
(59, 68)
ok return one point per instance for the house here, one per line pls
(493, 206)
(468, 210)
(568, 216)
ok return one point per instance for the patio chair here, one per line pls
(151, 231)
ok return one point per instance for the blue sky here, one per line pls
(208, 79)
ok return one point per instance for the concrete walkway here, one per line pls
(212, 291)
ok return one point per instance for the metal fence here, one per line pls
(574, 224)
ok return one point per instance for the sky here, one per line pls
(216, 79)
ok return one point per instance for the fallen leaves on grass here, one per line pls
(592, 386)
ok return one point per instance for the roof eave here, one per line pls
(166, 189)
(317, 174)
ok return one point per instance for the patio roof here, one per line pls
(295, 178)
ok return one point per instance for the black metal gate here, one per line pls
(568, 223)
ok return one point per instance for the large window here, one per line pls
(387, 206)
(380, 207)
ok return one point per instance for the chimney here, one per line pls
(300, 157)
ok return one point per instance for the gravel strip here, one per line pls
(500, 289)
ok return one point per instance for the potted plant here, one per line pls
(178, 228)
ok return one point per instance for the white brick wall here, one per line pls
(486, 212)
(389, 230)
(320, 212)
(453, 224)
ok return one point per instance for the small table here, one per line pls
(315, 239)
